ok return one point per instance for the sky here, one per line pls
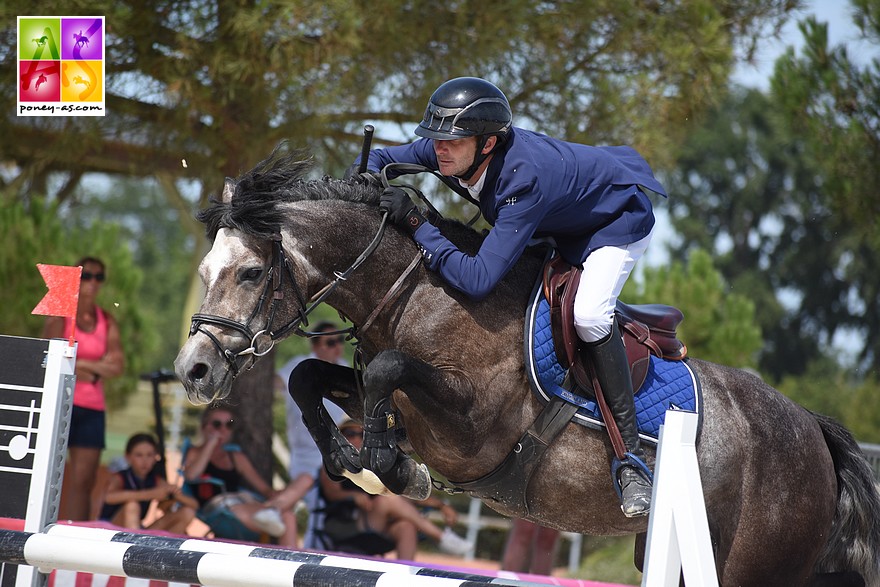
(841, 30)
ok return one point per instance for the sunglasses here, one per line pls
(352, 433)
(218, 424)
(87, 276)
(332, 342)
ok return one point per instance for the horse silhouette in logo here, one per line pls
(78, 79)
(81, 40)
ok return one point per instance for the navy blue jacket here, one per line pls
(536, 186)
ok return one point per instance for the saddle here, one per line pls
(647, 329)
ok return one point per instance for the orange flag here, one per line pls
(62, 298)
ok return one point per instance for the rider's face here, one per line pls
(455, 156)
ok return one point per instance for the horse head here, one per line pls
(266, 231)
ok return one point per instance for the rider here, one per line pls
(589, 200)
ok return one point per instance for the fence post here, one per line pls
(678, 531)
(36, 397)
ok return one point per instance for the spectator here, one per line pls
(130, 492)
(216, 472)
(530, 548)
(98, 357)
(305, 458)
(349, 511)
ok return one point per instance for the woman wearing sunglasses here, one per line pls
(217, 473)
(98, 357)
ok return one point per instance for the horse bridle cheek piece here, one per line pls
(273, 289)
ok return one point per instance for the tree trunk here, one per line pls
(251, 401)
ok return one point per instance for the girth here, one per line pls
(508, 482)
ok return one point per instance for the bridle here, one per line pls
(280, 268)
(273, 291)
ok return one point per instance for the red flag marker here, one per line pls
(62, 298)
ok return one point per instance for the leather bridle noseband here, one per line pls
(274, 283)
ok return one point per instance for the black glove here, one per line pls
(353, 174)
(401, 209)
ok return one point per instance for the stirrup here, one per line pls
(629, 460)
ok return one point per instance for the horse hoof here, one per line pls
(418, 485)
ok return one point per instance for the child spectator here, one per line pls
(130, 492)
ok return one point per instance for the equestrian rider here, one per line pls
(588, 200)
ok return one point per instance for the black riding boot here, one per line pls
(612, 370)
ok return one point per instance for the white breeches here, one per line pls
(605, 271)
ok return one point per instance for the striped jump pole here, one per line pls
(164, 559)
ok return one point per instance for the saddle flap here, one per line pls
(561, 282)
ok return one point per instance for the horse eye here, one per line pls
(252, 274)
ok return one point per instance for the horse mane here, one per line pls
(258, 194)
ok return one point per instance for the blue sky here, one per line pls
(841, 30)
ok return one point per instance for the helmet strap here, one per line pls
(479, 157)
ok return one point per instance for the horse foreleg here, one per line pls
(380, 453)
(310, 382)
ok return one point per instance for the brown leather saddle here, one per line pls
(647, 329)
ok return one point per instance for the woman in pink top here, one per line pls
(98, 356)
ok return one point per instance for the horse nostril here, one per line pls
(198, 371)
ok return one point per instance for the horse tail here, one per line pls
(854, 543)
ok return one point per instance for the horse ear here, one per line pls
(228, 189)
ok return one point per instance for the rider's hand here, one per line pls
(401, 209)
(354, 175)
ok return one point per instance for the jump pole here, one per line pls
(48, 552)
(251, 551)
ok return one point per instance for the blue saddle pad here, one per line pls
(669, 384)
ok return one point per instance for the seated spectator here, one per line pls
(215, 473)
(350, 520)
(305, 458)
(130, 492)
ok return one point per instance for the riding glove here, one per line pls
(401, 209)
(353, 174)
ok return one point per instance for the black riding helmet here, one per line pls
(467, 107)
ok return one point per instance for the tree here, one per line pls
(780, 186)
(832, 106)
(217, 83)
(718, 325)
(32, 233)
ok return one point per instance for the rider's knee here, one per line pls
(593, 327)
